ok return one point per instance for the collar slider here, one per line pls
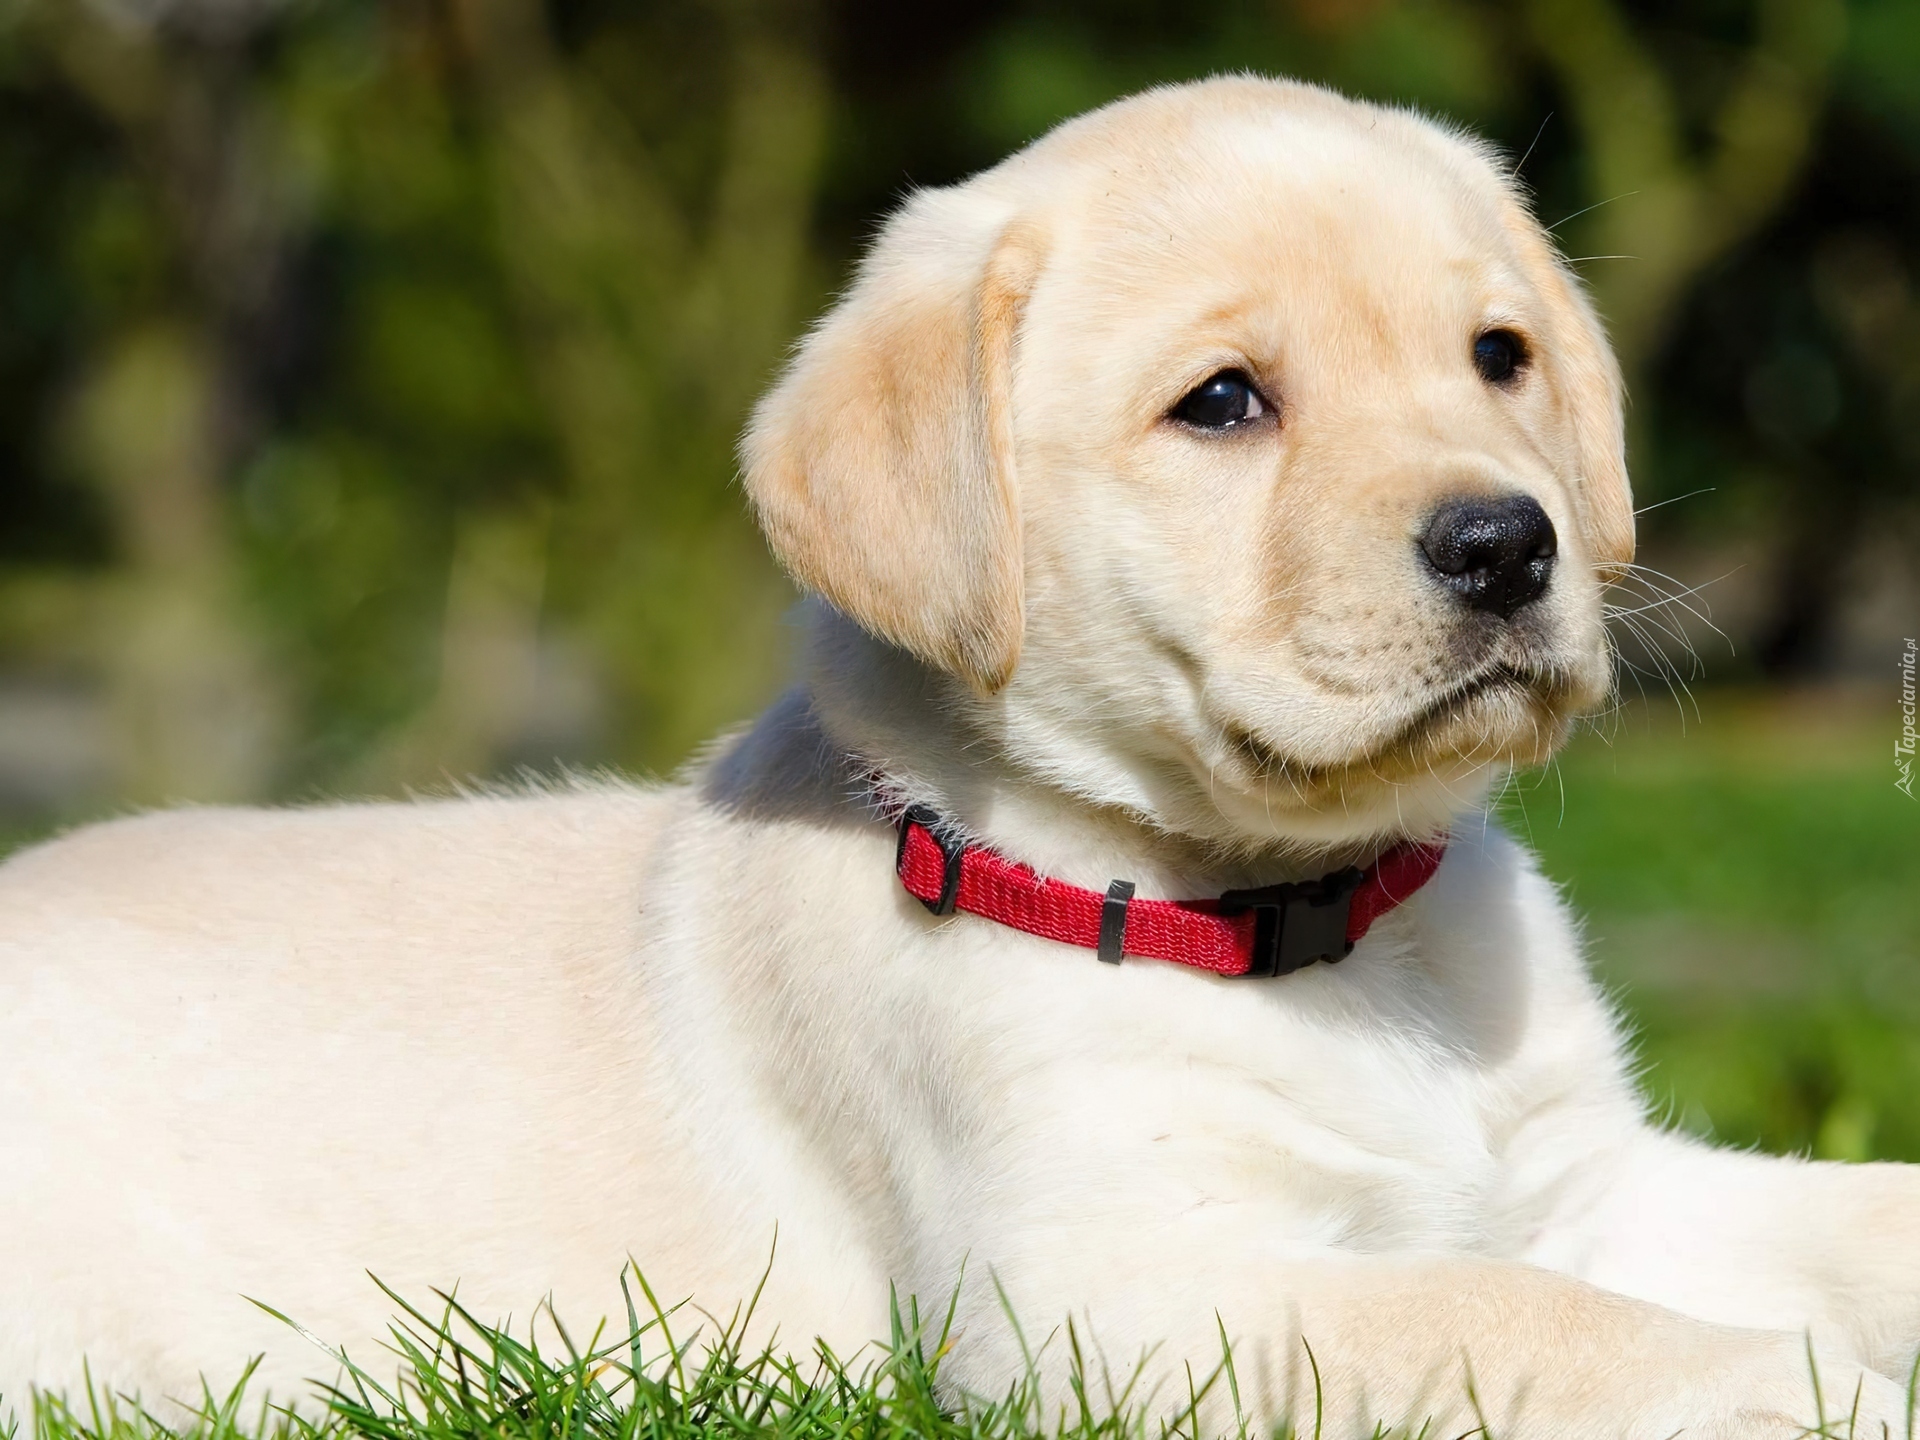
(952, 851)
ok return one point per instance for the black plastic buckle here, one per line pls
(951, 849)
(1295, 925)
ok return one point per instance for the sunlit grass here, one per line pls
(682, 1375)
(675, 1374)
(686, 1375)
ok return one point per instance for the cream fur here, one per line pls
(507, 1041)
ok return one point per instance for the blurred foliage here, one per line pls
(369, 371)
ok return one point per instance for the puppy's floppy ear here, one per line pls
(881, 465)
(1594, 398)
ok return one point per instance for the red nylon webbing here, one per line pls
(1186, 932)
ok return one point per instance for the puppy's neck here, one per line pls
(873, 722)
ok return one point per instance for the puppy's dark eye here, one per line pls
(1499, 355)
(1221, 402)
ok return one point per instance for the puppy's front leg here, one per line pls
(1756, 1240)
(1442, 1343)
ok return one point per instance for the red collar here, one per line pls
(1274, 930)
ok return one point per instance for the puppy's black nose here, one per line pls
(1494, 552)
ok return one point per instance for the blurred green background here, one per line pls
(369, 375)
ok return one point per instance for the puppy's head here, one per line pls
(1248, 452)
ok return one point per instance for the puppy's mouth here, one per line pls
(1540, 685)
(1508, 712)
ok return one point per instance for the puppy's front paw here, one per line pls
(1852, 1403)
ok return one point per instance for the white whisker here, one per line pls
(1628, 195)
(1675, 500)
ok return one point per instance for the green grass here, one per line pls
(455, 1378)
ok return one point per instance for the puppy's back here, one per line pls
(260, 1052)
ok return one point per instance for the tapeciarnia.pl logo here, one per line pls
(1903, 747)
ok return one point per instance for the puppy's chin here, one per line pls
(1413, 778)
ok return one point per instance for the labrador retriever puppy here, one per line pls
(1204, 508)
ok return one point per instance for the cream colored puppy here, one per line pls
(1217, 493)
